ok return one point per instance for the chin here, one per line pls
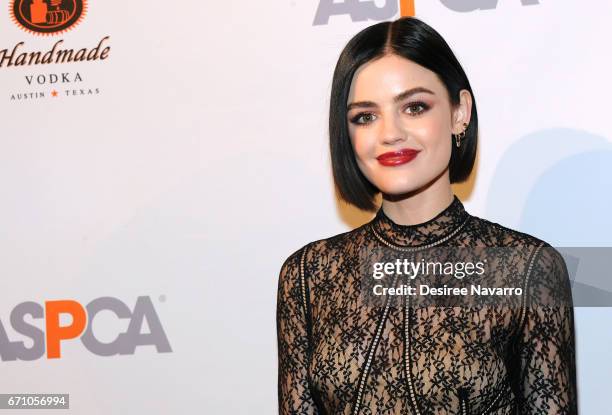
(399, 182)
(398, 188)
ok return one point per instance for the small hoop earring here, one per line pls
(459, 136)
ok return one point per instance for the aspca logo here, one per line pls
(46, 338)
(47, 17)
(362, 10)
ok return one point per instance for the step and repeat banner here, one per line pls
(160, 160)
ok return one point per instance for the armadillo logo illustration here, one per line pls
(47, 17)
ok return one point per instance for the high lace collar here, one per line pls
(440, 226)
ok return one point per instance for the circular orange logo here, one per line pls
(47, 17)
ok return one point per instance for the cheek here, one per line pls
(362, 142)
(435, 136)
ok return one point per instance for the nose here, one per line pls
(392, 131)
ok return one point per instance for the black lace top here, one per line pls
(339, 354)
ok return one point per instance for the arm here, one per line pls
(292, 325)
(546, 347)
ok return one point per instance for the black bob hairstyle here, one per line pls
(415, 40)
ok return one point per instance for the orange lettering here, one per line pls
(407, 8)
(56, 333)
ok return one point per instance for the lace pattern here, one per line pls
(338, 355)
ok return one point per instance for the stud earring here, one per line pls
(459, 136)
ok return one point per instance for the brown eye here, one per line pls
(362, 118)
(416, 105)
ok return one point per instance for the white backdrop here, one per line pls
(202, 163)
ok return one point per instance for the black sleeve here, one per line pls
(294, 395)
(546, 346)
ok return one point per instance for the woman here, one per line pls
(403, 122)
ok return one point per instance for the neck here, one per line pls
(418, 207)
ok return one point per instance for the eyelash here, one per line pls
(425, 107)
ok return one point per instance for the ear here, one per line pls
(462, 112)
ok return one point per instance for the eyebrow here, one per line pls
(397, 98)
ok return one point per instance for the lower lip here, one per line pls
(396, 161)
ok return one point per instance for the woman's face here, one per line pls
(401, 124)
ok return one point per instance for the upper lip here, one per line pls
(399, 153)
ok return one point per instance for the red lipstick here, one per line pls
(395, 158)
